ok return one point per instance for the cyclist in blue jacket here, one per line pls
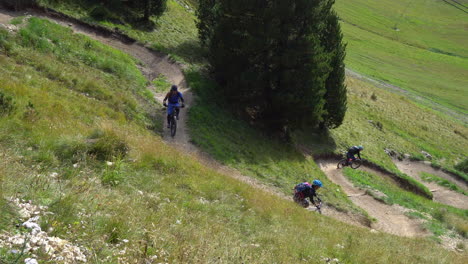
(304, 190)
(173, 96)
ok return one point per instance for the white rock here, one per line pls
(30, 261)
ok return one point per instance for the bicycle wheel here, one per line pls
(173, 126)
(341, 164)
(356, 164)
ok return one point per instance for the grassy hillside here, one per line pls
(74, 137)
(418, 45)
(173, 33)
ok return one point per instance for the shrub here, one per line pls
(462, 166)
(71, 150)
(7, 104)
(106, 145)
(113, 174)
(5, 44)
(100, 13)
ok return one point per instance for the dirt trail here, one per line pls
(390, 219)
(441, 194)
(155, 63)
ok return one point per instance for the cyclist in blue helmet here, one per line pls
(304, 190)
(352, 151)
(173, 96)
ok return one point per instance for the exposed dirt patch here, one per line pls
(390, 219)
(441, 194)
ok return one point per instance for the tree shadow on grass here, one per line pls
(190, 51)
(233, 142)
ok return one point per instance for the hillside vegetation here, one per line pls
(107, 179)
(78, 136)
(415, 44)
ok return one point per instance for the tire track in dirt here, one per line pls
(390, 219)
(441, 194)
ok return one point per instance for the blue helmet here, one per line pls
(360, 147)
(317, 183)
(174, 87)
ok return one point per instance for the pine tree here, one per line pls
(280, 62)
(151, 7)
(268, 58)
(206, 13)
(335, 97)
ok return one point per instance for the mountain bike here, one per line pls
(349, 162)
(318, 207)
(304, 203)
(173, 117)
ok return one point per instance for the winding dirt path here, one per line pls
(390, 219)
(441, 194)
(154, 64)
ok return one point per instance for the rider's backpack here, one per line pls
(302, 186)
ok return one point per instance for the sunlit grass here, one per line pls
(417, 45)
(163, 202)
(441, 181)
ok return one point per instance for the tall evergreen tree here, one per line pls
(335, 96)
(267, 56)
(151, 7)
(206, 13)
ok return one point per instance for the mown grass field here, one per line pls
(417, 45)
(58, 138)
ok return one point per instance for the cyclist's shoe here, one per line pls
(177, 117)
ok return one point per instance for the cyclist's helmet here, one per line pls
(360, 147)
(174, 87)
(317, 183)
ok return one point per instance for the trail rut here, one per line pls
(441, 194)
(390, 219)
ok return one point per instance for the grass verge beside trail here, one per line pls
(438, 217)
(108, 179)
(442, 182)
(173, 33)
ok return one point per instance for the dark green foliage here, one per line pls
(106, 145)
(462, 166)
(17, 4)
(151, 7)
(207, 12)
(335, 96)
(5, 41)
(101, 13)
(7, 105)
(113, 10)
(270, 60)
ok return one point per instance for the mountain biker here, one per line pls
(304, 190)
(353, 151)
(173, 96)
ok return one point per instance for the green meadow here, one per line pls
(417, 45)
(75, 107)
